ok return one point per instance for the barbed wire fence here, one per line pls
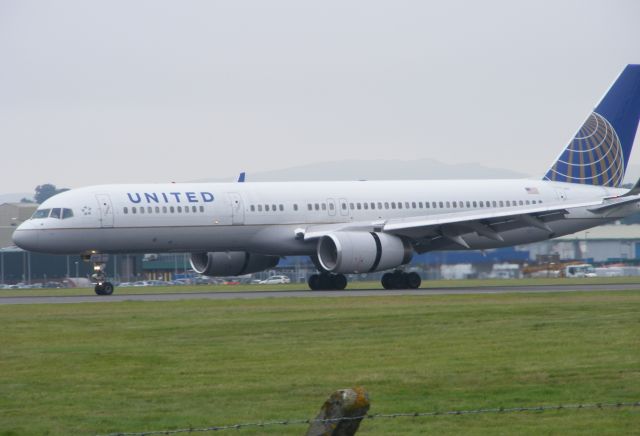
(377, 416)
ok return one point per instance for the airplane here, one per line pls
(353, 226)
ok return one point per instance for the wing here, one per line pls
(431, 232)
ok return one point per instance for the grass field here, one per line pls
(302, 286)
(134, 366)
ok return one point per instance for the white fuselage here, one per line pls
(265, 217)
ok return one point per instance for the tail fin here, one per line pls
(599, 152)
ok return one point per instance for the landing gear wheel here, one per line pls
(401, 280)
(107, 288)
(99, 289)
(339, 282)
(327, 282)
(413, 280)
(314, 282)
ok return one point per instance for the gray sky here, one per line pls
(154, 91)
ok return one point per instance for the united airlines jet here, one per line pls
(350, 227)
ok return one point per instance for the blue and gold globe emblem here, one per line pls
(593, 157)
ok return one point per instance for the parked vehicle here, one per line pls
(276, 280)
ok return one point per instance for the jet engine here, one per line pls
(231, 263)
(361, 252)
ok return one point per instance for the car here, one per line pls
(276, 280)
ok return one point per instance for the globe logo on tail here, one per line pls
(593, 157)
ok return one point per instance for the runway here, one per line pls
(250, 295)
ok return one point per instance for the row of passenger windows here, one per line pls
(399, 205)
(163, 209)
(52, 213)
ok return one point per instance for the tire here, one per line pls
(398, 280)
(387, 281)
(326, 282)
(413, 280)
(99, 290)
(339, 282)
(314, 282)
(107, 288)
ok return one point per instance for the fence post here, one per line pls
(345, 403)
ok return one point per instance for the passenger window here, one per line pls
(399, 205)
(133, 209)
(413, 205)
(150, 209)
(448, 205)
(67, 213)
(317, 206)
(281, 208)
(324, 206)
(344, 206)
(481, 204)
(468, 205)
(406, 205)
(194, 209)
(393, 205)
(273, 207)
(373, 205)
(172, 209)
(141, 209)
(501, 204)
(259, 208)
(359, 206)
(494, 204)
(331, 206)
(508, 203)
(252, 208)
(351, 206)
(427, 205)
(201, 208)
(157, 209)
(366, 206)
(441, 204)
(295, 207)
(309, 206)
(186, 209)
(520, 202)
(266, 208)
(179, 209)
(454, 204)
(164, 209)
(386, 205)
(55, 213)
(527, 201)
(126, 210)
(420, 205)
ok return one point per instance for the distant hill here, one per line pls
(377, 170)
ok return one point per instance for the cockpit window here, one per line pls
(55, 213)
(41, 213)
(67, 213)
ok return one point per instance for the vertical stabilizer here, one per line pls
(599, 152)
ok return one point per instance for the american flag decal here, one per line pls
(532, 190)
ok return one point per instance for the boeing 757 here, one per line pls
(350, 227)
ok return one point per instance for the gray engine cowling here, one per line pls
(231, 263)
(361, 252)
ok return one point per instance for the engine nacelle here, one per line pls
(362, 252)
(231, 263)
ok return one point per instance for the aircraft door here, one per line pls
(106, 210)
(331, 204)
(237, 208)
(344, 207)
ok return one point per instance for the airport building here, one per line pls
(11, 216)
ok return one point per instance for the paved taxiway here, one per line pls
(306, 293)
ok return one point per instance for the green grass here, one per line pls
(302, 286)
(134, 366)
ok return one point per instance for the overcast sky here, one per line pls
(153, 91)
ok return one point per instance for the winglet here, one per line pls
(241, 177)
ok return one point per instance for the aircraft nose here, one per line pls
(25, 239)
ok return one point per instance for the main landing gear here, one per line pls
(401, 280)
(327, 281)
(99, 261)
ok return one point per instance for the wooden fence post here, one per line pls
(345, 403)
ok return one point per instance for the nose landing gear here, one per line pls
(99, 261)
